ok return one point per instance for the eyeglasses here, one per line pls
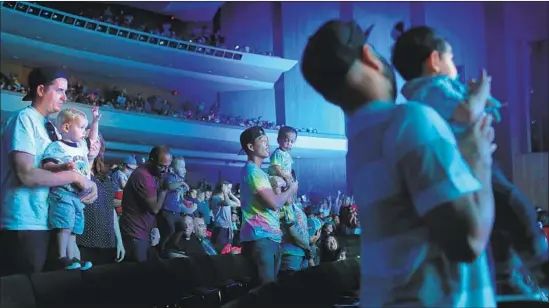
(163, 168)
(52, 132)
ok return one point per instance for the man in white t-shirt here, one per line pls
(426, 211)
(24, 187)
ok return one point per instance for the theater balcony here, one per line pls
(91, 46)
(130, 132)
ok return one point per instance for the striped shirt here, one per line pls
(406, 163)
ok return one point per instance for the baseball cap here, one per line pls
(250, 135)
(42, 76)
(130, 162)
(330, 53)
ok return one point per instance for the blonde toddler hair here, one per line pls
(68, 115)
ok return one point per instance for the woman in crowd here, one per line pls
(101, 242)
(221, 203)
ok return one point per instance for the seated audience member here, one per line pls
(189, 244)
(66, 211)
(327, 230)
(170, 221)
(200, 232)
(260, 233)
(101, 242)
(221, 203)
(235, 225)
(331, 251)
(24, 186)
(143, 198)
(314, 228)
(120, 177)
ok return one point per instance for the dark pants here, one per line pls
(265, 255)
(98, 256)
(137, 250)
(516, 217)
(221, 237)
(23, 252)
(170, 225)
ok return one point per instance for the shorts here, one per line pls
(66, 211)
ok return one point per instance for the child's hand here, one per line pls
(96, 115)
(480, 90)
(68, 166)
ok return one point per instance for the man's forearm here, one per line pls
(484, 199)
(36, 177)
(282, 198)
(175, 185)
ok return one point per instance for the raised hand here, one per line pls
(96, 114)
(479, 91)
(477, 145)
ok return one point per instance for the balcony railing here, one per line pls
(130, 34)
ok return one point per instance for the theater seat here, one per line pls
(207, 297)
(520, 304)
(57, 289)
(16, 291)
(318, 287)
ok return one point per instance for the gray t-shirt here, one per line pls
(221, 211)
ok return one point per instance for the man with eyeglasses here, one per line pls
(24, 186)
(143, 197)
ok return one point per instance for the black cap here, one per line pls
(42, 76)
(331, 52)
(250, 135)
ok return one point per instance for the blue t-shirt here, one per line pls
(173, 201)
(444, 94)
(221, 211)
(203, 211)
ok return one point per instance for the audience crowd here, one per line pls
(139, 209)
(153, 23)
(119, 99)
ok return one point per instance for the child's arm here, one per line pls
(94, 128)
(454, 105)
(479, 93)
(55, 167)
(53, 159)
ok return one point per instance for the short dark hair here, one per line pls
(44, 76)
(286, 129)
(413, 47)
(220, 185)
(158, 151)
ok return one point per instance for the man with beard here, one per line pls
(144, 195)
(426, 216)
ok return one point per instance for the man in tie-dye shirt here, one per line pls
(260, 232)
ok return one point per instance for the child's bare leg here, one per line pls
(62, 238)
(71, 247)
